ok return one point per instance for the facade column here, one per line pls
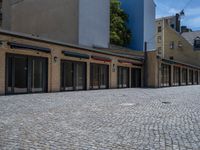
(199, 77)
(2, 71)
(88, 76)
(172, 75)
(188, 70)
(181, 76)
(130, 77)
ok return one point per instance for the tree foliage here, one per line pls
(119, 33)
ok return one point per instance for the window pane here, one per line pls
(80, 76)
(103, 76)
(68, 83)
(38, 74)
(9, 74)
(20, 75)
(136, 77)
(184, 76)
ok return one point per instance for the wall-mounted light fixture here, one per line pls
(55, 59)
(114, 68)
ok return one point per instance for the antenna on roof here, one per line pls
(182, 13)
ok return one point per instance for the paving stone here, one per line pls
(103, 120)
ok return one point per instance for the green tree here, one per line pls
(119, 33)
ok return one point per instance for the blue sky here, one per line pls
(171, 7)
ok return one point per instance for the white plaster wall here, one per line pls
(150, 24)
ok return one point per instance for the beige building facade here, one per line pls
(32, 65)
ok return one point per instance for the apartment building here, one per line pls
(141, 22)
(5, 14)
(177, 55)
(80, 22)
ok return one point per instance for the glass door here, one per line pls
(165, 75)
(73, 76)
(176, 76)
(136, 78)
(98, 76)
(20, 72)
(80, 79)
(123, 77)
(184, 76)
(38, 74)
(25, 74)
(103, 77)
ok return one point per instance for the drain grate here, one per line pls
(166, 102)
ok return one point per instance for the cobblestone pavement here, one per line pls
(163, 119)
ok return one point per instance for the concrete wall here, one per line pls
(57, 20)
(149, 24)
(6, 12)
(83, 22)
(94, 23)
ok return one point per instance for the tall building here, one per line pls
(5, 14)
(141, 22)
(173, 21)
(81, 22)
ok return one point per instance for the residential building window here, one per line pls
(159, 39)
(172, 25)
(159, 29)
(159, 50)
(180, 45)
(172, 45)
(197, 43)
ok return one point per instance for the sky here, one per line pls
(171, 7)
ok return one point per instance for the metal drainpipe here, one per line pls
(145, 66)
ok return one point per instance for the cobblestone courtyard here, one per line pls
(160, 119)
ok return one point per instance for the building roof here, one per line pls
(97, 50)
(190, 36)
(167, 17)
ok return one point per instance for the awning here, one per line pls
(129, 62)
(77, 55)
(100, 58)
(15, 45)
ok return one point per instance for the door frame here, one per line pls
(29, 67)
(99, 77)
(73, 76)
(118, 77)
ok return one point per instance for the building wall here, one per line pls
(64, 20)
(6, 15)
(135, 11)
(141, 19)
(149, 24)
(184, 54)
(57, 20)
(54, 67)
(94, 23)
